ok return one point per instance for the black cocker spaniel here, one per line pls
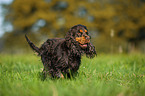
(62, 57)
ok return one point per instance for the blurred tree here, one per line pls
(130, 18)
(52, 18)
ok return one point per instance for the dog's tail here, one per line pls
(36, 49)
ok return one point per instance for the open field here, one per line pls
(105, 75)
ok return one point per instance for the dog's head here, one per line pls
(79, 33)
(78, 36)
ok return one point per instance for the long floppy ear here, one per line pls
(71, 42)
(90, 51)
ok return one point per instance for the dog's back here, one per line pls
(51, 45)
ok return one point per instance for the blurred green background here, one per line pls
(116, 26)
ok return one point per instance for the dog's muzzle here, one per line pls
(83, 41)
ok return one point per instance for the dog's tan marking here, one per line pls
(81, 30)
(62, 75)
(82, 40)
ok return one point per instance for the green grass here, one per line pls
(105, 75)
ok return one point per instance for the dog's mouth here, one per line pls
(83, 42)
(83, 45)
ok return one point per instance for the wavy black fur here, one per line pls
(63, 56)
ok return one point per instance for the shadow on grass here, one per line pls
(43, 77)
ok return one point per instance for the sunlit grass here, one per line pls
(105, 75)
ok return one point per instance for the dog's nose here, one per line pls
(87, 37)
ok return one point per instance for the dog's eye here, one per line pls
(81, 30)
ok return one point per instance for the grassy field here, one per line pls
(105, 75)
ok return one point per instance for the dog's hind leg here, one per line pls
(46, 63)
